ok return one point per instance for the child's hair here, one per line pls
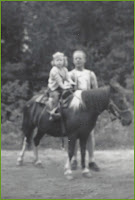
(59, 54)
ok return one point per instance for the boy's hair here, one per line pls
(59, 54)
(80, 50)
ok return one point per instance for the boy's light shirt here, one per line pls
(84, 79)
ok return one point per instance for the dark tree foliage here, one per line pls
(12, 31)
(33, 30)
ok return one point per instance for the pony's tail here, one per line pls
(27, 128)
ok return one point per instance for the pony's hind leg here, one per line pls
(21, 154)
(27, 134)
(37, 139)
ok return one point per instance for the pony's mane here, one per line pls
(77, 102)
(97, 98)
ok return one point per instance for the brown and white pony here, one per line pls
(79, 118)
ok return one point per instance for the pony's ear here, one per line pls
(114, 85)
(112, 82)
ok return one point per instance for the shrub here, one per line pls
(14, 91)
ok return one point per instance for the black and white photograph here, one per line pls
(67, 100)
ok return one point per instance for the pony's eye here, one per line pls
(121, 100)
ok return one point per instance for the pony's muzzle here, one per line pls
(126, 117)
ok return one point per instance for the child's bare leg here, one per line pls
(91, 147)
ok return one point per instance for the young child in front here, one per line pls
(59, 80)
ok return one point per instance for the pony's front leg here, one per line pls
(85, 170)
(71, 146)
(37, 139)
(36, 161)
(21, 154)
(67, 168)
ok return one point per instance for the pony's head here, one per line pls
(118, 104)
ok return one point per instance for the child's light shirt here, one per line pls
(57, 76)
(84, 79)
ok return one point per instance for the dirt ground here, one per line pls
(114, 181)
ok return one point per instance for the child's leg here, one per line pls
(54, 99)
(54, 96)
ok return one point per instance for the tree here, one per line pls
(12, 31)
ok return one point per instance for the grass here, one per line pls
(108, 135)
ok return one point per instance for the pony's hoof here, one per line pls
(86, 173)
(19, 162)
(68, 174)
(38, 163)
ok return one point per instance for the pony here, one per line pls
(79, 119)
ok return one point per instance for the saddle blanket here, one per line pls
(41, 98)
(64, 100)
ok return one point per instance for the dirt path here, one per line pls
(114, 181)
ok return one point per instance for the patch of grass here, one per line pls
(111, 134)
(108, 135)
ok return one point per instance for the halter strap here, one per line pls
(115, 110)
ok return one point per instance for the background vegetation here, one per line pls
(32, 31)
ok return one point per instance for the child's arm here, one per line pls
(59, 81)
(68, 78)
(61, 85)
(58, 78)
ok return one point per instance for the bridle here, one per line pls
(112, 108)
